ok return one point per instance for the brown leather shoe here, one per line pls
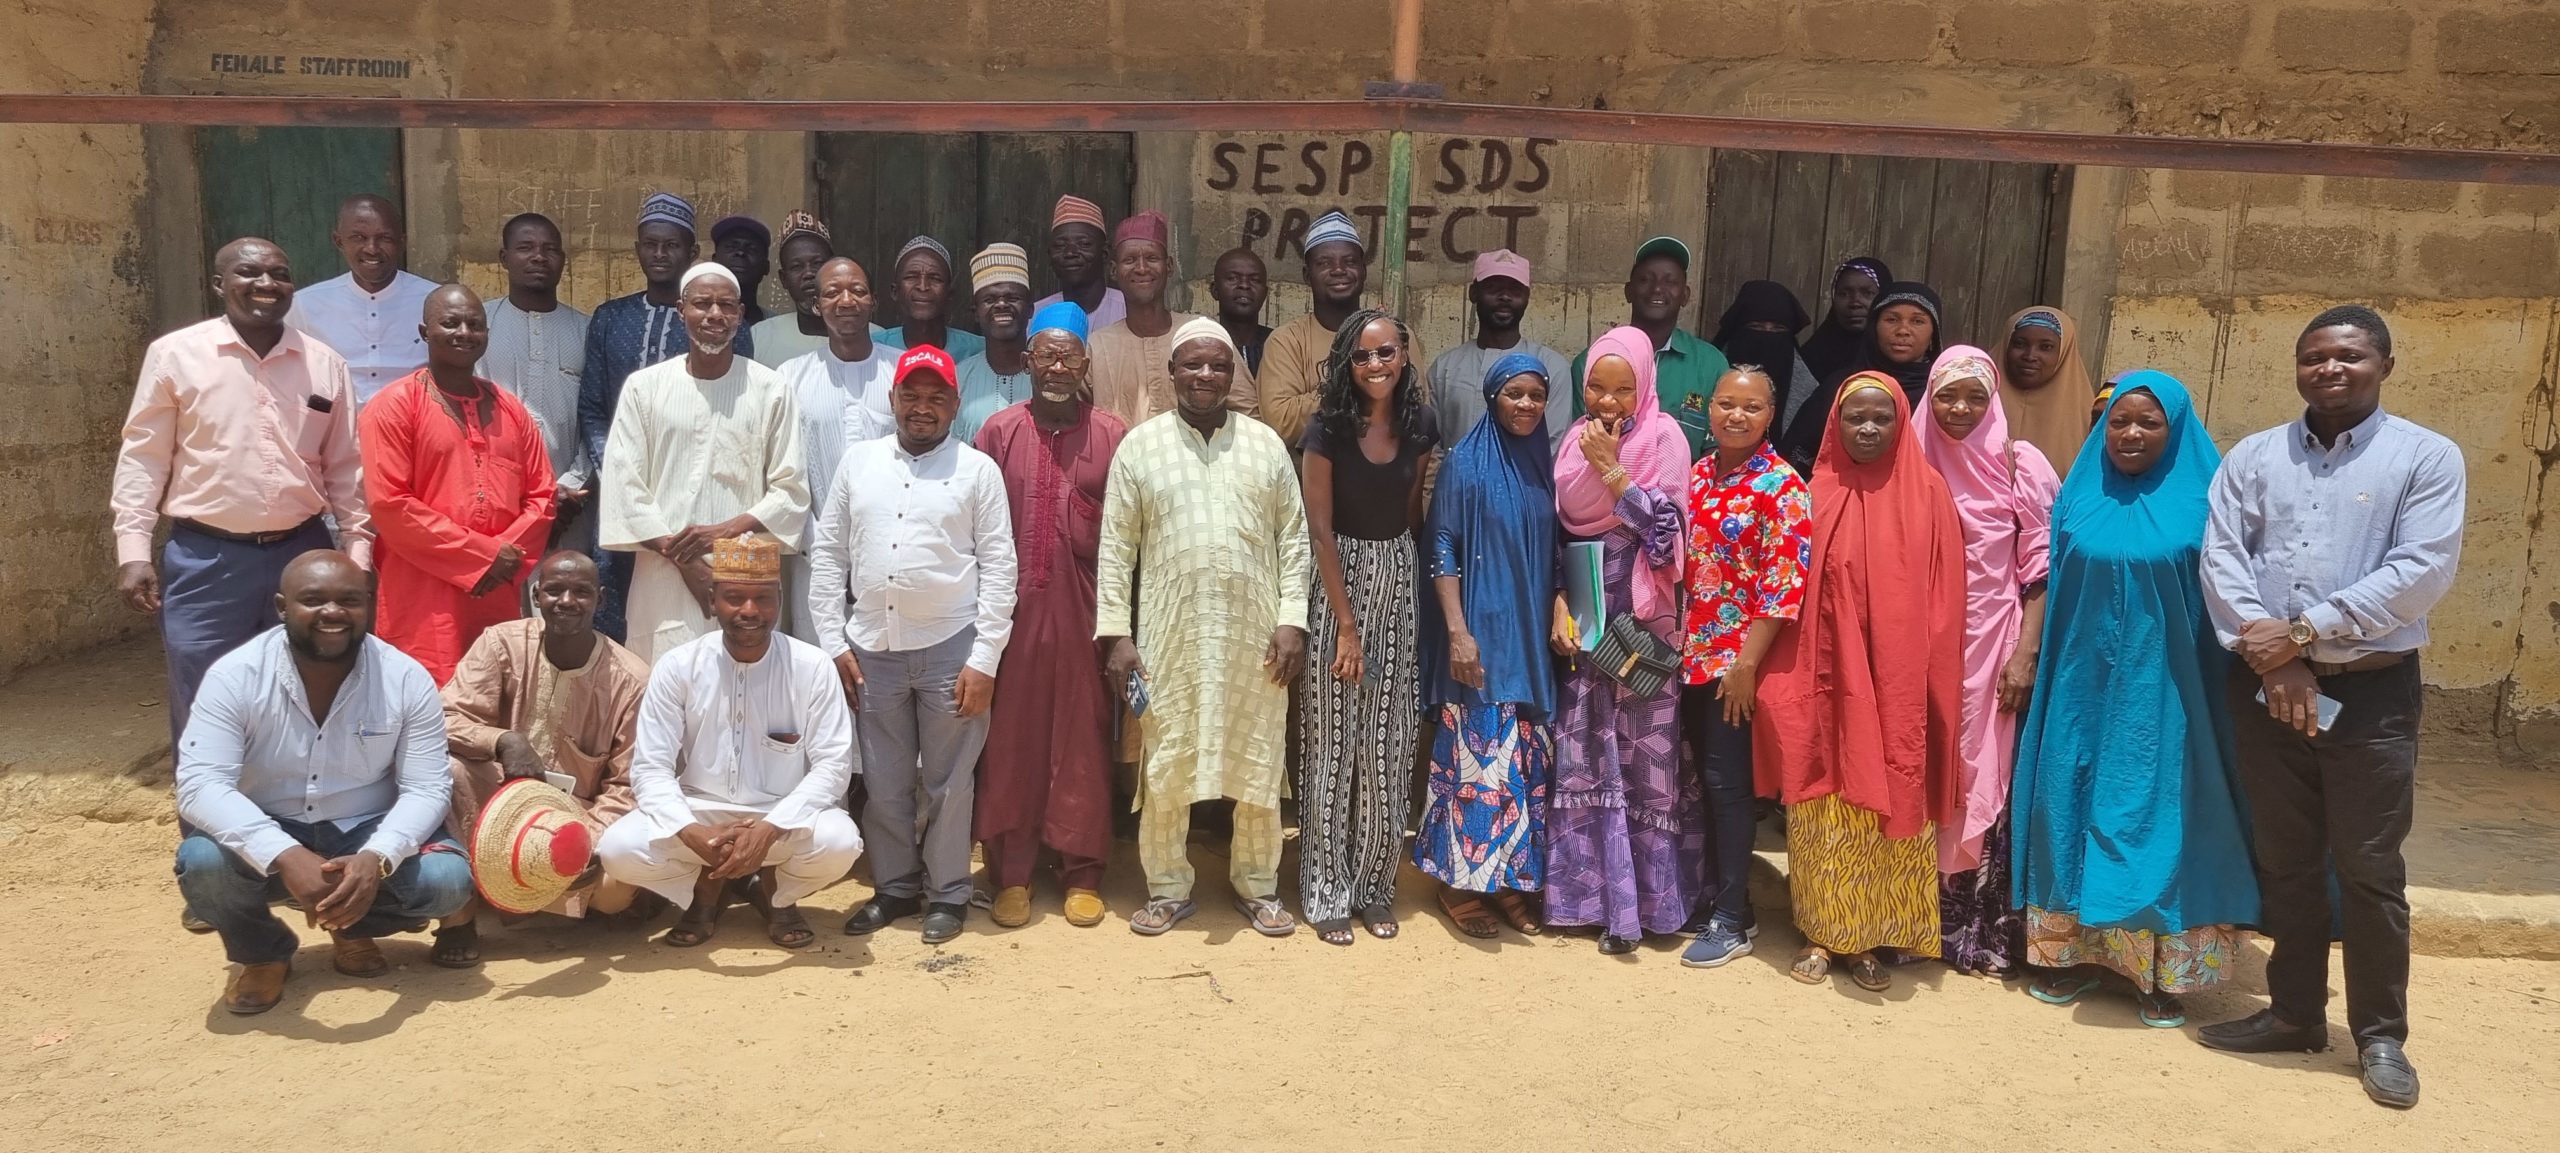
(358, 956)
(256, 988)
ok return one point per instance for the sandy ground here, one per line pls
(1051, 1037)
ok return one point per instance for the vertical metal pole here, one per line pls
(1399, 199)
(1407, 64)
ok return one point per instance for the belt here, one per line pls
(2363, 664)
(197, 526)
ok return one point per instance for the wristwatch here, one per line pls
(2298, 630)
(387, 870)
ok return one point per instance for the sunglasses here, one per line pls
(1379, 355)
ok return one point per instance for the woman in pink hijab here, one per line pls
(1625, 827)
(2004, 490)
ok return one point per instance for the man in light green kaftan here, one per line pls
(1202, 519)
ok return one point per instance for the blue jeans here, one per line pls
(231, 896)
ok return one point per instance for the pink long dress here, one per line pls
(2004, 491)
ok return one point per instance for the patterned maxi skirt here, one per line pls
(1853, 889)
(2155, 962)
(1981, 933)
(1484, 825)
(1356, 741)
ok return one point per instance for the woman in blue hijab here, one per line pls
(2131, 852)
(1488, 679)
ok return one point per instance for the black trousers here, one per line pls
(1723, 755)
(2342, 798)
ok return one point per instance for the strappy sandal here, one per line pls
(1381, 922)
(1517, 913)
(1813, 965)
(1870, 974)
(1467, 910)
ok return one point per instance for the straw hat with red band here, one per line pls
(532, 842)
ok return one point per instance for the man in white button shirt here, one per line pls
(927, 553)
(740, 765)
(369, 314)
(314, 766)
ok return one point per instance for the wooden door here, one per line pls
(285, 184)
(1983, 235)
(966, 190)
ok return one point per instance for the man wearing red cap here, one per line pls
(926, 561)
(1077, 259)
(1500, 293)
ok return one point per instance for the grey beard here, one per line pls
(715, 349)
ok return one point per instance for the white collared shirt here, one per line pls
(253, 754)
(377, 332)
(924, 543)
(772, 738)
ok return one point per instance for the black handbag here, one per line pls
(1631, 655)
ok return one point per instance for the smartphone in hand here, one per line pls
(1137, 695)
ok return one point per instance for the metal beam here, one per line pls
(2296, 157)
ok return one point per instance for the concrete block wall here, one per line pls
(2205, 273)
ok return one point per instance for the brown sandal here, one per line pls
(1468, 911)
(1515, 910)
(1812, 965)
(1870, 973)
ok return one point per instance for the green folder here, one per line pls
(1583, 595)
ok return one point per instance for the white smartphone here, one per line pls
(2321, 703)
(561, 781)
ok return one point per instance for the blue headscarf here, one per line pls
(2126, 811)
(1065, 315)
(1493, 525)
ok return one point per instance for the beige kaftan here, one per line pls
(1132, 376)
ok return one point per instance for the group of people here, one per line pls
(2045, 686)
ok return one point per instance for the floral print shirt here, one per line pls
(1750, 543)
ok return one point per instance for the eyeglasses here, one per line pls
(1379, 355)
(1058, 359)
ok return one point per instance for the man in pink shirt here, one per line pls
(242, 433)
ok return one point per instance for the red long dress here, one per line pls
(444, 497)
(1046, 775)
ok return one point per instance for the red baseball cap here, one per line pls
(927, 357)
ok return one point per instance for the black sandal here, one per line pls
(1381, 922)
(1335, 932)
(457, 947)
(787, 928)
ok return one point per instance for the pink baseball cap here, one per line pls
(1502, 262)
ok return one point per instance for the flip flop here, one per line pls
(2061, 990)
(2162, 1010)
(1467, 910)
(1159, 916)
(457, 947)
(1267, 916)
(1812, 966)
(1869, 973)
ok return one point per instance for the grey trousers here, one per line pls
(920, 770)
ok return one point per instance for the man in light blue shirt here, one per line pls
(313, 766)
(2329, 540)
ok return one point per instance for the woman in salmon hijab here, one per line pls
(2046, 386)
(1860, 703)
(2003, 491)
(1626, 830)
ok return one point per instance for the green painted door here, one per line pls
(285, 184)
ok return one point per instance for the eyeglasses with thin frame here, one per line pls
(1379, 355)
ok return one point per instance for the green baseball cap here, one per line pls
(1664, 246)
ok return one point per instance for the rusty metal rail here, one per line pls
(2308, 158)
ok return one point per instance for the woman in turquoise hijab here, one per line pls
(2131, 854)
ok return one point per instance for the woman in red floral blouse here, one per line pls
(1750, 529)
